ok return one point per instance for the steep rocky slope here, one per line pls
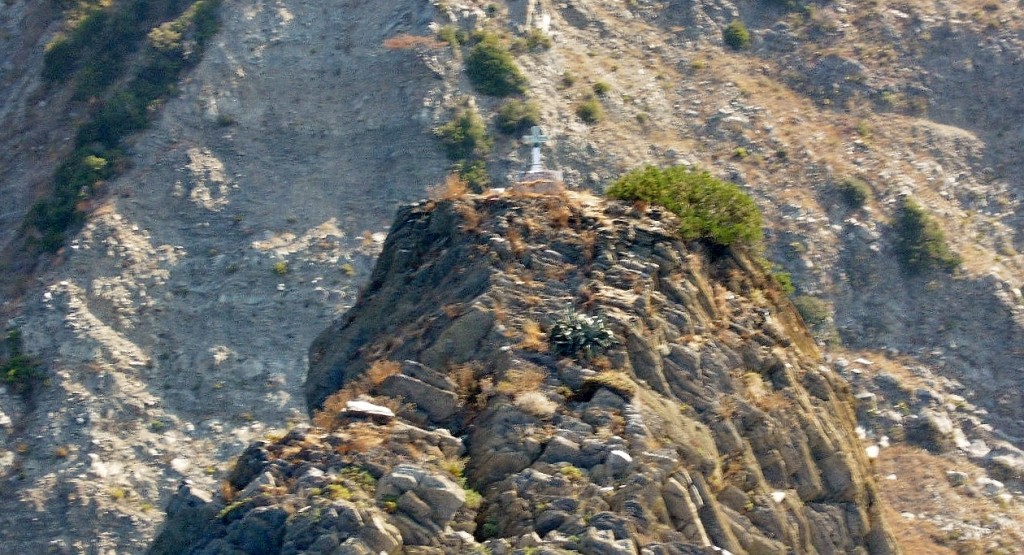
(708, 421)
(173, 329)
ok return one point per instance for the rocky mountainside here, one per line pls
(708, 421)
(172, 328)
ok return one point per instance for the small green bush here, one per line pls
(474, 173)
(516, 116)
(451, 35)
(601, 88)
(785, 281)
(813, 310)
(574, 334)
(534, 41)
(18, 370)
(568, 79)
(491, 69)
(920, 243)
(590, 111)
(465, 136)
(708, 208)
(736, 35)
(854, 192)
(467, 144)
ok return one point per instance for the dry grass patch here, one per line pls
(533, 338)
(470, 217)
(515, 241)
(521, 380)
(535, 403)
(405, 41)
(453, 187)
(464, 376)
(617, 382)
(557, 211)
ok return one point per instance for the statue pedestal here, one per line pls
(541, 182)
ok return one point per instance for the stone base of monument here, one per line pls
(540, 182)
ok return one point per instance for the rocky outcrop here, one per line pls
(708, 423)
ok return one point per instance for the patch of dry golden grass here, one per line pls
(535, 403)
(453, 187)
(470, 217)
(405, 41)
(557, 211)
(521, 380)
(533, 338)
(465, 379)
(515, 241)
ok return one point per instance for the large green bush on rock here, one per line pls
(491, 69)
(920, 242)
(709, 208)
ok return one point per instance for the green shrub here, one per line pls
(18, 370)
(537, 40)
(491, 69)
(574, 334)
(708, 208)
(473, 499)
(736, 35)
(785, 281)
(534, 41)
(813, 310)
(854, 192)
(95, 53)
(601, 88)
(467, 144)
(920, 243)
(568, 79)
(474, 173)
(465, 136)
(451, 35)
(516, 116)
(590, 111)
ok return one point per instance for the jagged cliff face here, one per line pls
(708, 422)
(170, 339)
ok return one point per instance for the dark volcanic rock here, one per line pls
(708, 423)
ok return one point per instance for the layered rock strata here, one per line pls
(708, 424)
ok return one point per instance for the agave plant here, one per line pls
(576, 333)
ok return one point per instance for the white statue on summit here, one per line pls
(538, 179)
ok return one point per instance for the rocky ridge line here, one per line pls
(710, 424)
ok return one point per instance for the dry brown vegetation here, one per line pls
(515, 241)
(533, 338)
(521, 380)
(327, 416)
(922, 488)
(453, 187)
(557, 211)
(405, 41)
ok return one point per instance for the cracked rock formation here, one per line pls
(449, 423)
